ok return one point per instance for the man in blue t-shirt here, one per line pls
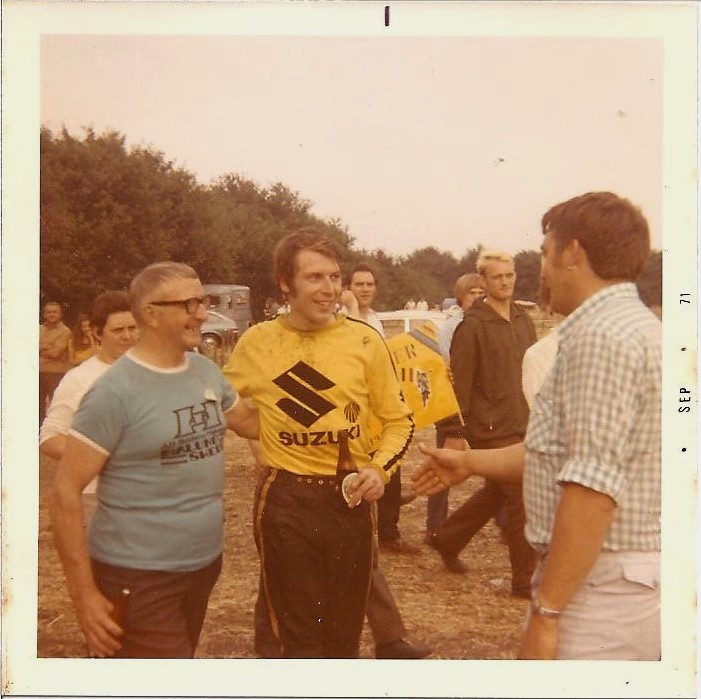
(153, 428)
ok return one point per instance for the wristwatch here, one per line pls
(537, 608)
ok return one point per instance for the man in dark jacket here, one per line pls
(485, 358)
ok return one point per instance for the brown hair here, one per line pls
(287, 249)
(79, 341)
(464, 283)
(105, 305)
(361, 267)
(612, 231)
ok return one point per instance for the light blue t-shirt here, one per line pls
(160, 492)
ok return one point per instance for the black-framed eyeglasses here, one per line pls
(190, 305)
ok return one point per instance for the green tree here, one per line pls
(245, 222)
(527, 264)
(106, 212)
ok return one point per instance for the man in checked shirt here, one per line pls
(590, 462)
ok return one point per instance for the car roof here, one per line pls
(404, 313)
(222, 288)
(220, 317)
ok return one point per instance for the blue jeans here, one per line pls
(437, 505)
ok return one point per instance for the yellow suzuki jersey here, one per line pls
(309, 386)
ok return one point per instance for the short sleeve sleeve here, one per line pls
(600, 398)
(101, 417)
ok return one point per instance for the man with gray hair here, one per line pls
(486, 355)
(152, 427)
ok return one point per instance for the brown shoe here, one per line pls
(398, 545)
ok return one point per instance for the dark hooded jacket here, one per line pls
(486, 355)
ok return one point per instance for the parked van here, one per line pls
(232, 301)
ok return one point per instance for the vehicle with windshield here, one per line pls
(404, 321)
(232, 301)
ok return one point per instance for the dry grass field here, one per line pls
(469, 616)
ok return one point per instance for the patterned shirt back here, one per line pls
(597, 420)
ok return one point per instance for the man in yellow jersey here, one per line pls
(313, 375)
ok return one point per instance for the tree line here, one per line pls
(107, 211)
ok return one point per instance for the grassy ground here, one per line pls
(461, 616)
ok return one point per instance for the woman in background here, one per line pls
(82, 344)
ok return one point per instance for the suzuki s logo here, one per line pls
(301, 383)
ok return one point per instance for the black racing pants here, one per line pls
(316, 562)
(388, 509)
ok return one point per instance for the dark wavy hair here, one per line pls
(612, 231)
(105, 305)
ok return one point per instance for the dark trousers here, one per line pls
(48, 381)
(316, 563)
(165, 610)
(388, 509)
(437, 505)
(382, 612)
(469, 518)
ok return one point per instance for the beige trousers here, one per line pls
(615, 613)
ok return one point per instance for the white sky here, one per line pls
(410, 141)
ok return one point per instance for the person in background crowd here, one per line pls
(410, 305)
(422, 304)
(358, 299)
(152, 427)
(467, 289)
(360, 294)
(591, 460)
(115, 330)
(54, 337)
(313, 376)
(82, 344)
(271, 308)
(539, 357)
(383, 615)
(486, 355)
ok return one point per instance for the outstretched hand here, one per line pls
(441, 469)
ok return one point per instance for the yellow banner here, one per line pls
(424, 376)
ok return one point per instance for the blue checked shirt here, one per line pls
(596, 420)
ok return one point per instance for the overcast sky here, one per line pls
(409, 141)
